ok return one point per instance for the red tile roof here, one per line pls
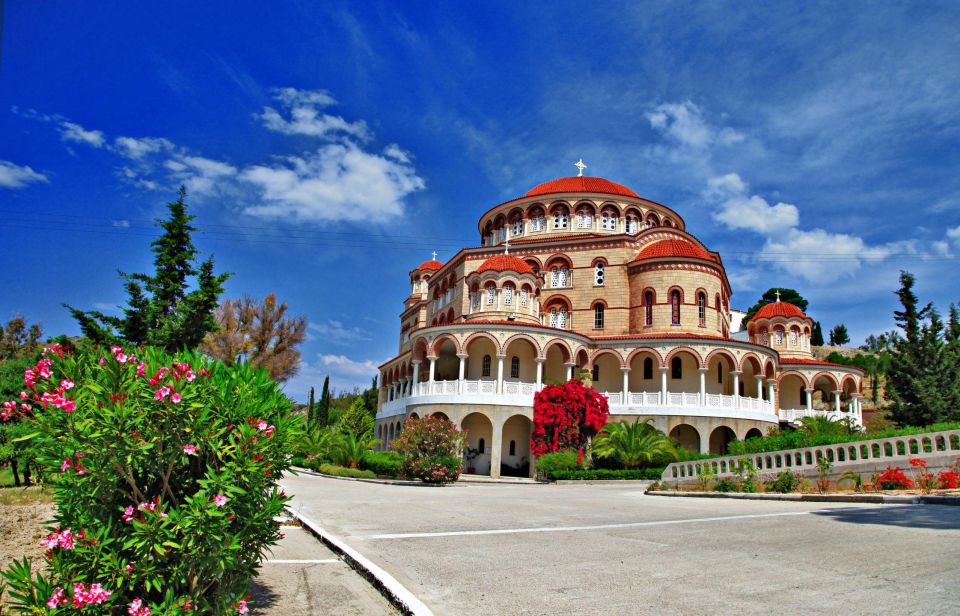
(430, 265)
(503, 263)
(673, 248)
(779, 309)
(581, 184)
(787, 361)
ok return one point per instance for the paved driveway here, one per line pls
(550, 549)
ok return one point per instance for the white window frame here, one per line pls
(599, 274)
(491, 295)
(508, 295)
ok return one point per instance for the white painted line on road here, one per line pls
(565, 529)
(322, 561)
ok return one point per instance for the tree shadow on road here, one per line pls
(261, 596)
(937, 517)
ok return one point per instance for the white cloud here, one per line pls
(345, 374)
(15, 176)
(336, 332)
(343, 365)
(823, 257)
(137, 148)
(305, 116)
(120, 224)
(71, 131)
(737, 210)
(685, 124)
(954, 234)
(338, 182)
(202, 176)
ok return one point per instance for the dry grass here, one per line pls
(34, 495)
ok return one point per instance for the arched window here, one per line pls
(502, 233)
(515, 367)
(508, 295)
(778, 335)
(523, 297)
(491, 295)
(647, 369)
(561, 218)
(598, 316)
(481, 446)
(632, 224)
(553, 317)
(599, 270)
(764, 338)
(596, 372)
(517, 227)
(676, 368)
(537, 222)
(702, 309)
(793, 338)
(562, 318)
(486, 366)
(513, 448)
(609, 220)
(675, 307)
(648, 307)
(584, 219)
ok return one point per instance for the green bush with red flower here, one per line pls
(164, 471)
(431, 448)
(566, 417)
(893, 478)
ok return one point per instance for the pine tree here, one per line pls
(323, 409)
(311, 417)
(370, 396)
(816, 339)
(839, 335)
(161, 311)
(922, 379)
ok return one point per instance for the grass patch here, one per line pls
(34, 495)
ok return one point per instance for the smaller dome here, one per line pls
(673, 248)
(432, 264)
(504, 263)
(779, 309)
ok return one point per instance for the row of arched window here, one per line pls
(584, 218)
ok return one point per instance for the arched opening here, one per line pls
(793, 393)
(555, 368)
(748, 381)
(447, 366)
(479, 436)
(823, 392)
(523, 364)
(718, 378)
(720, 440)
(607, 373)
(481, 359)
(644, 373)
(683, 375)
(515, 456)
(686, 436)
(753, 433)
(440, 415)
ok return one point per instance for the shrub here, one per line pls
(893, 479)
(796, 439)
(607, 474)
(432, 449)
(725, 485)
(556, 461)
(925, 481)
(383, 463)
(634, 444)
(783, 483)
(565, 416)
(164, 473)
(343, 471)
(947, 480)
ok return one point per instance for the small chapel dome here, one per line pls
(432, 264)
(673, 248)
(505, 263)
(779, 309)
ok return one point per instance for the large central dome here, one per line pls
(583, 183)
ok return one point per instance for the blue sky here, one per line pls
(329, 147)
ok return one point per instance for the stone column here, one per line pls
(416, 374)
(569, 371)
(540, 373)
(736, 387)
(810, 399)
(663, 386)
(759, 380)
(496, 448)
(836, 401)
(771, 391)
(626, 386)
(703, 386)
(463, 369)
(403, 388)
(433, 368)
(499, 374)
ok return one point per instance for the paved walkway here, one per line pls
(602, 549)
(303, 577)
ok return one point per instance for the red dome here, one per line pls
(673, 248)
(504, 263)
(581, 184)
(432, 264)
(779, 309)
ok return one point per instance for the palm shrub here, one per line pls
(164, 471)
(349, 449)
(634, 444)
(432, 449)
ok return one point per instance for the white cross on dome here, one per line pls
(580, 166)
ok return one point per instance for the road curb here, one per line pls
(883, 499)
(394, 591)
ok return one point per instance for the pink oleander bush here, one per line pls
(431, 449)
(164, 473)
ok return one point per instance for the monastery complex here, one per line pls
(582, 276)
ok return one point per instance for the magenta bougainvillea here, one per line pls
(565, 416)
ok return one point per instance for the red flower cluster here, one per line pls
(564, 416)
(893, 479)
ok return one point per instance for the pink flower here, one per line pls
(176, 398)
(56, 598)
(115, 349)
(137, 608)
(97, 594)
(127, 514)
(220, 500)
(242, 607)
(190, 450)
(161, 393)
(24, 395)
(128, 567)
(55, 539)
(65, 384)
(68, 406)
(67, 463)
(261, 425)
(102, 362)
(141, 369)
(189, 375)
(121, 358)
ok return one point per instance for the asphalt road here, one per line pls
(600, 549)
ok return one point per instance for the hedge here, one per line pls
(797, 439)
(383, 463)
(606, 473)
(342, 471)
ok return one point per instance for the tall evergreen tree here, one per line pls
(816, 339)
(922, 379)
(839, 335)
(161, 311)
(311, 412)
(323, 408)
(370, 396)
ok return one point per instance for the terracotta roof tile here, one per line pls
(779, 309)
(584, 183)
(430, 265)
(673, 248)
(503, 263)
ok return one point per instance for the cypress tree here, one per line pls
(816, 339)
(311, 417)
(323, 410)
